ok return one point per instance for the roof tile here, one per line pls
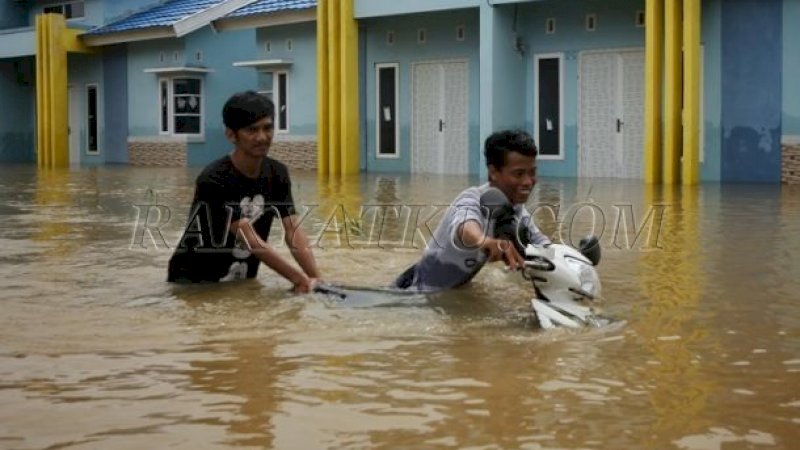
(163, 15)
(271, 6)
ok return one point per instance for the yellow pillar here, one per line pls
(334, 105)
(52, 143)
(673, 91)
(322, 87)
(654, 44)
(338, 121)
(348, 33)
(53, 41)
(691, 92)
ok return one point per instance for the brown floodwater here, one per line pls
(98, 351)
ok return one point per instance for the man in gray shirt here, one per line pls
(475, 229)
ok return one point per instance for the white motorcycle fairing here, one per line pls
(565, 281)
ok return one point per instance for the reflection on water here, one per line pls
(94, 343)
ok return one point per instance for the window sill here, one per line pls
(189, 139)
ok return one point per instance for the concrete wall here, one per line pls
(752, 33)
(441, 44)
(17, 83)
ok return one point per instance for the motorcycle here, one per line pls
(566, 284)
(564, 278)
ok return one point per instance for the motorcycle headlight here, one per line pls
(587, 276)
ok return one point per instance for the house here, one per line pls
(431, 79)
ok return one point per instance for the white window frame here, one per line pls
(280, 127)
(63, 5)
(560, 57)
(170, 81)
(97, 119)
(396, 154)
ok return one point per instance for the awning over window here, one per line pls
(265, 64)
(178, 70)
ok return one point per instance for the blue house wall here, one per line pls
(218, 52)
(751, 99)
(13, 15)
(791, 68)
(441, 44)
(17, 84)
(143, 108)
(85, 70)
(711, 40)
(302, 74)
(115, 104)
(616, 29)
(113, 10)
(752, 53)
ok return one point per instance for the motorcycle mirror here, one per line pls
(495, 204)
(590, 248)
(496, 207)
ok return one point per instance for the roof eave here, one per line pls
(266, 19)
(199, 20)
(97, 40)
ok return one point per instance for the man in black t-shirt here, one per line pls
(236, 198)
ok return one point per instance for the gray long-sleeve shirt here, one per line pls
(446, 263)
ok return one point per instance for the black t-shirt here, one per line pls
(208, 251)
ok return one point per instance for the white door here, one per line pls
(74, 125)
(611, 114)
(439, 119)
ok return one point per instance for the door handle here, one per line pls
(441, 125)
(619, 125)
